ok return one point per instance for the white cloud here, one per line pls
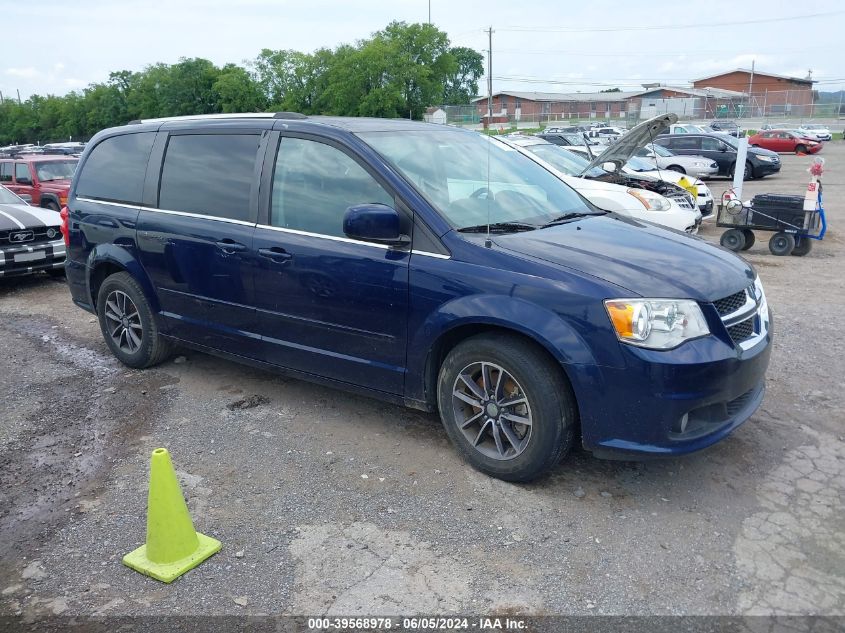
(24, 73)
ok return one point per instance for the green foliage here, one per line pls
(398, 72)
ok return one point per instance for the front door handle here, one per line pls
(276, 253)
(230, 247)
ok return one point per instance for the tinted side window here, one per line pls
(5, 172)
(211, 174)
(22, 172)
(116, 167)
(313, 185)
(711, 144)
(685, 142)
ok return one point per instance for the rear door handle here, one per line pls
(276, 253)
(230, 247)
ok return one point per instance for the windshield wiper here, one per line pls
(499, 227)
(571, 216)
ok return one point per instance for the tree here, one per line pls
(611, 90)
(236, 91)
(462, 84)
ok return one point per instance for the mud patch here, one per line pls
(250, 402)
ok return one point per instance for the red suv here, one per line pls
(44, 178)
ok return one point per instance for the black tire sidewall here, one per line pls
(750, 239)
(146, 352)
(549, 397)
(727, 235)
(777, 250)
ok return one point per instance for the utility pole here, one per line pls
(429, 11)
(19, 97)
(751, 82)
(489, 74)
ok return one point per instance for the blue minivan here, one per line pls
(419, 264)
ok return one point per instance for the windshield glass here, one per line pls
(639, 164)
(450, 168)
(569, 163)
(55, 170)
(7, 197)
(660, 150)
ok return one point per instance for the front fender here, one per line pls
(540, 324)
(117, 255)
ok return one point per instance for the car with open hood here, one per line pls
(30, 238)
(420, 264)
(635, 202)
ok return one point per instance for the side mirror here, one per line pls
(723, 148)
(609, 167)
(374, 223)
(25, 197)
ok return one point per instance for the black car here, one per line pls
(728, 127)
(722, 148)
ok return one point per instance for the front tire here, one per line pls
(804, 246)
(782, 244)
(733, 239)
(800, 149)
(128, 324)
(52, 206)
(507, 406)
(749, 239)
(677, 168)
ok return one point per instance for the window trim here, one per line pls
(166, 135)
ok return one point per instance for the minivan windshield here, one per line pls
(55, 170)
(472, 180)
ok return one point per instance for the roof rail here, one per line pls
(233, 115)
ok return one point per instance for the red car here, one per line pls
(785, 141)
(43, 177)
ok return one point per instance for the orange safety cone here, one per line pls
(173, 546)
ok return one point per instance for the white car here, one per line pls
(819, 131)
(662, 158)
(641, 167)
(634, 202)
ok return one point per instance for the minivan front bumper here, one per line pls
(672, 403)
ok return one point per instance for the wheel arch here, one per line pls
(108, 259)
(47, 198)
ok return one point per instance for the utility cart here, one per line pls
(796, 221)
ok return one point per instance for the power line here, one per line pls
(666, 27)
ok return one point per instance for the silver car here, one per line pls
(696, 166)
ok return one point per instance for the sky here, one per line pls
(538, 45)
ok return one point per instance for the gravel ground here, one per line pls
(328, 503)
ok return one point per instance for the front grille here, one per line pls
(730, 304)
(737, 404)
(40, 235)
(742, 331)
(682, 200)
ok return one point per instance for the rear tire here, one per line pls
(128, 324)
(749, 239)
(733, 239)
(492, 370)
(781, 244)
(748, 174)
(804, 246)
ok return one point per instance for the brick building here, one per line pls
(770, 93)
(549, 106)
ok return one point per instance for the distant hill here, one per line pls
(832, 97)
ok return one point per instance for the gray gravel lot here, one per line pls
(331, 503)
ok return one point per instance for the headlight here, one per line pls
(698, 163)
(650, 200)
(656, 323)
(768, 159)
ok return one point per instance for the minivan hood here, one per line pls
(643, 258)
(636, 138)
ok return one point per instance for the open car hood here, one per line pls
(636, 138)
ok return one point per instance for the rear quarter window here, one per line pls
(115, 169)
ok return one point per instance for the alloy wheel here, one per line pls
(492, 410)
(123, 322)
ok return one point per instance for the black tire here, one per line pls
(782, 244)
(677, 168)
(749, 171)
(802, 247)
(800, 149)
(52, 206)
(152, 349)
(749, 239)
(549, 402)
(733, 239)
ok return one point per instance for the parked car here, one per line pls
(685, 128)
(728, 127)
(634, 202)
(70, 149)
(45, 178)
(661, 157)
(608, 133)
(722, 148)
(30, 238)
(420, 264)
(785, 141)
(642, 166)
(821, 132)
(566, 139)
